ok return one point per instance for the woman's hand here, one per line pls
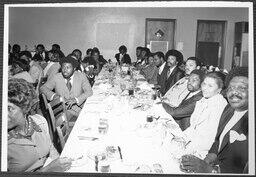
(58, 165)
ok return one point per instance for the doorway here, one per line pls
(159, 34)
(210, 42)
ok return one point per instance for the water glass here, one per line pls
(103, 126)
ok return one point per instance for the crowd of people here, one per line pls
(210, 106)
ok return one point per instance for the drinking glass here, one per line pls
(103, 126)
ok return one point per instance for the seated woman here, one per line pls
(150, 71)
(98, 58)
(29, 143)
(122, 57)
(205, 118)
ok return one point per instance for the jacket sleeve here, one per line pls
(48, 87)
(129, 59)
(181, 111)
(87, 90)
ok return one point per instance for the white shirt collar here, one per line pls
(161, 68)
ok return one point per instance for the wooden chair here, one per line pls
(59, 121)
(63, 133)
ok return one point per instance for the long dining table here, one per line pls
(122, 131)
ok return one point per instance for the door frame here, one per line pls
(224, 32)
(160, 19)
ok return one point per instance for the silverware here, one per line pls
(87, 138)
(120, 153)
(96, 163)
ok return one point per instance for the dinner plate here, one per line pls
(110, 153)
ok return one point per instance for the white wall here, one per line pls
(74, 27)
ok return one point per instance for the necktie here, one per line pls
(186, 96)
(69, 86)
(168, 73)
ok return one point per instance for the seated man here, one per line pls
(56, 48)
(183, 112)
(171, 72)
(159, 61)
(150, 71)
(122, 56)
(72, 85)
(229, 152)
(179, 90)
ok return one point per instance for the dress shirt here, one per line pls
(177, 92)
(170, 71)
(235, 118)
(161, 68)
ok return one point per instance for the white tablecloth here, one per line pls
(144, 145)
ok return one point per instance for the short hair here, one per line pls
(77, 50)
(148, 52)
(235, 72)
(71, 58)
(26, 53)
(139, 48)
(40, 45)
(200, 73)
(122, 47)
(95, 50)
(198, 62)
(56, 45)
(159, 54)
(22, 94)
(176, 53)
(88, 51)
(16, 48)
(218, 76)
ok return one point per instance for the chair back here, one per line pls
(57, 112)
(63, 133)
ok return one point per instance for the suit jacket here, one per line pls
(182, 113)
(81, 88)
(232, 157)
(126, 58)
(166, 83)
(37, 57)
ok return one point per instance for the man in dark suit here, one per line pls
(182, 113)
(41, 54)
(229, 152)
(171, 72)
(122, 56)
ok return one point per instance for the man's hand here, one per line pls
(191, 163)
(70, 102)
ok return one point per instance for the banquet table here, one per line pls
(121, 133)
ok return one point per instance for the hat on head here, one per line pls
(70, 59)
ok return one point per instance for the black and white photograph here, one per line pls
(143, 87)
